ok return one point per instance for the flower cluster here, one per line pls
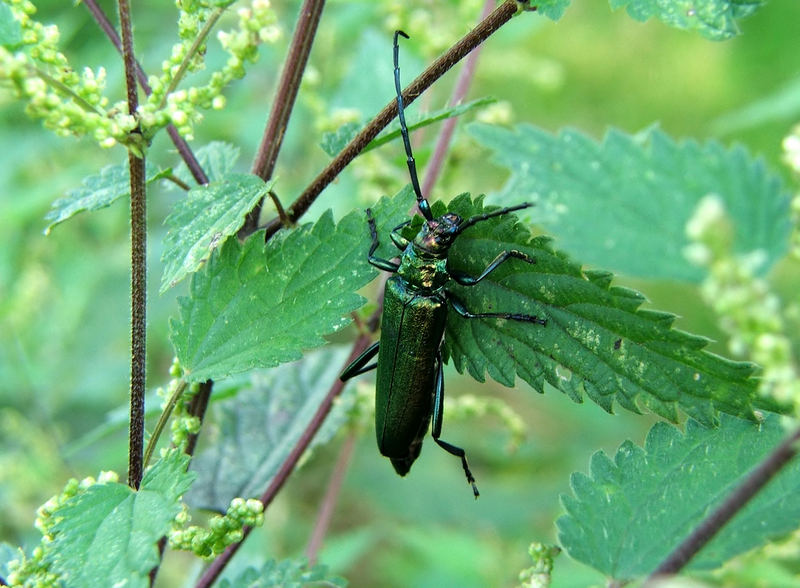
(222, 530)
(74, 104)
(167, 104)
(791, 154)
(749, 312)
(67, 102)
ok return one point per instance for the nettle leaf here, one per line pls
(634, 510)
(287, 573)
(624, 203)
(217, 160)
(258, 306)
(714, 19)
(332, 143)
(203, 220)
(98, 191)
(108, 535)
(597, 340)
(552, 9)
(261, 425)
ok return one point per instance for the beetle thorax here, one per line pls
(424, 262)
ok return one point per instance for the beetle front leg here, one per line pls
(358, 366)
(436, 428)
(466, 280)
(459, 307)
(384, 264)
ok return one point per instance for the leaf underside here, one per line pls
(634, 510)
(261, 425)
(597, 341)
(98, 191)
(624, 203)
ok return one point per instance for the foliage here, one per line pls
(686, 220)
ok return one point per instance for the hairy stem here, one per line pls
(282, 105)
(738, 499)
(488, 26)
(180, 143)
(138, 264)
(463, 83)
(218, 565)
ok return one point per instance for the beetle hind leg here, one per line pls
(436, 430)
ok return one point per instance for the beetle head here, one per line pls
(437, 235)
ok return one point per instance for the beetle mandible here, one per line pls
(409, 381)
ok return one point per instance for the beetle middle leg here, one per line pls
(504, 256)
(436, 427)
(359, 366)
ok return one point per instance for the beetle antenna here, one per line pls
(482, 217)
(423, 205)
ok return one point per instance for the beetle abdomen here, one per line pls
(411, 332)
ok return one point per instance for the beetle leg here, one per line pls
(436, 429)
(399, 241)
(384, 264)
(466, 280)
(459, 307)
(358, 366)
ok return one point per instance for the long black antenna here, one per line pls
(423, 205)
(482, 217)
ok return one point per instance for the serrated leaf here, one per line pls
(108, 535)
(258, 306)
(260, 427)
(596, 342)
(335, 141)
(624, 203)
(217, 160)
(10, 28)
(203, 220)
(98, 191)
(552, 9)
(287, 573)
(714, 19)
(634, 510)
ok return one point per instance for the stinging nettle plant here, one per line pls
(269, 311)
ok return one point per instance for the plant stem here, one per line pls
(282, 105)
(162, 420)
(488, 26)
(138, 264)
(737, 500)
(329, 500)
(180, 143)
(190, 54)
(216, 567)
(463, 83)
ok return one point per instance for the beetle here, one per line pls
(409, 380)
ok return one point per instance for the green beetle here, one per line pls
(410, 382)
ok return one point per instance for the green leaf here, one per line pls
(259, 306)
(624, 203)
(288, 573)
(714, 19)
(217, 160)
(108, 535)
(597, 340)
(246, 456)
(552, 9)
(98, 191)
(204, 220)
(333, 143)
(10, 28)
(634, 510)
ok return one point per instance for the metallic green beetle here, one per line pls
(410, 382)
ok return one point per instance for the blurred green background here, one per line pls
(64, 314)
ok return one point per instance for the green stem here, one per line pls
(66, 90)
(163, 419)
(193, 50)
